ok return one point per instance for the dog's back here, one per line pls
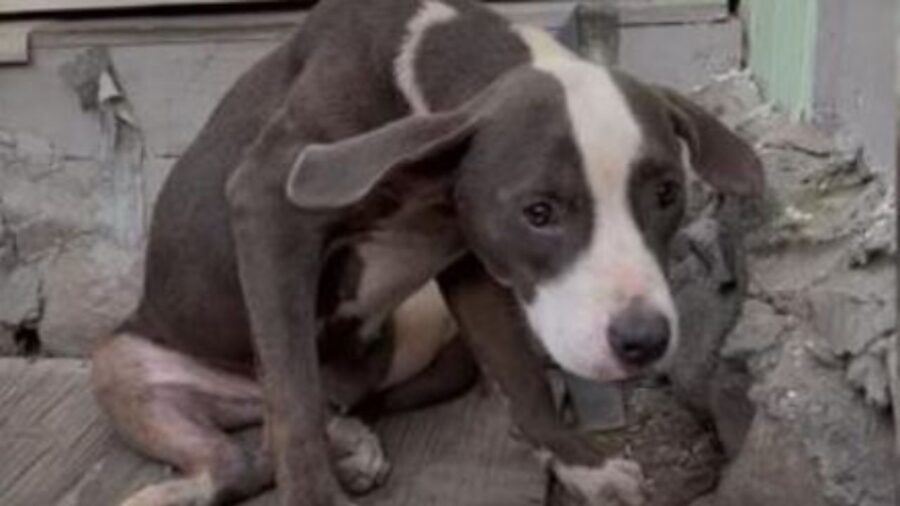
(178, 374)
(349, 59)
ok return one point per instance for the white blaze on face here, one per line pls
(430, 14)
(571, 313)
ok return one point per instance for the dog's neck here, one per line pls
(438, 66)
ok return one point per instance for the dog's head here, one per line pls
(568, 182)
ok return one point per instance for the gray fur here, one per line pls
(310, 178)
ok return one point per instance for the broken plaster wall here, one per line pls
(72, 225)
(799, 390)
(87, 134)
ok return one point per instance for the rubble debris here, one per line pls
(808, 358)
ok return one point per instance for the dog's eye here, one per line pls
(667, 193)
(540, 214)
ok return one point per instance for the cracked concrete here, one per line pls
(807, 363)
(71, 229)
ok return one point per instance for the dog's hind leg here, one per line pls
(431, 362)
(452, 372)
(177, 410)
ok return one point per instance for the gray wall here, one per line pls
(853, 86)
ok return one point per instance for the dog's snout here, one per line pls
(639, 335)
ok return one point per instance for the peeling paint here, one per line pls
(92, 76)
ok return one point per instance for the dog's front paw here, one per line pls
(619, 482)
(359, 462)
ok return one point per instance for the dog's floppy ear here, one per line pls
(718, 155)
(331, 176)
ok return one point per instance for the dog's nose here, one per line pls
(639, 335)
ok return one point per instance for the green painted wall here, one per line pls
(782, 35)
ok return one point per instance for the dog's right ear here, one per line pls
(718, 155)
(332, 176)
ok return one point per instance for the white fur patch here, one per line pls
(423, 326)
(542, 46)
(619, 481)
(571, 313)
(430, 14)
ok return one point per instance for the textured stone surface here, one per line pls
(78, 175)
(88, 290)
(66, 267)
(800, 395)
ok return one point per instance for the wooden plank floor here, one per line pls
(56, 449)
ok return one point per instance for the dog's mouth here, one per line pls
(622, 371)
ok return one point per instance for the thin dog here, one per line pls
(388, 158)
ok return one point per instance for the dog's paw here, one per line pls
(192, 491)
(359, 462)
(619, 482)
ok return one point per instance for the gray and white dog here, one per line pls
(388, 158)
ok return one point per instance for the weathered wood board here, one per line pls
(56, 449)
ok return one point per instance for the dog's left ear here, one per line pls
(332, 176)
(718, 155)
